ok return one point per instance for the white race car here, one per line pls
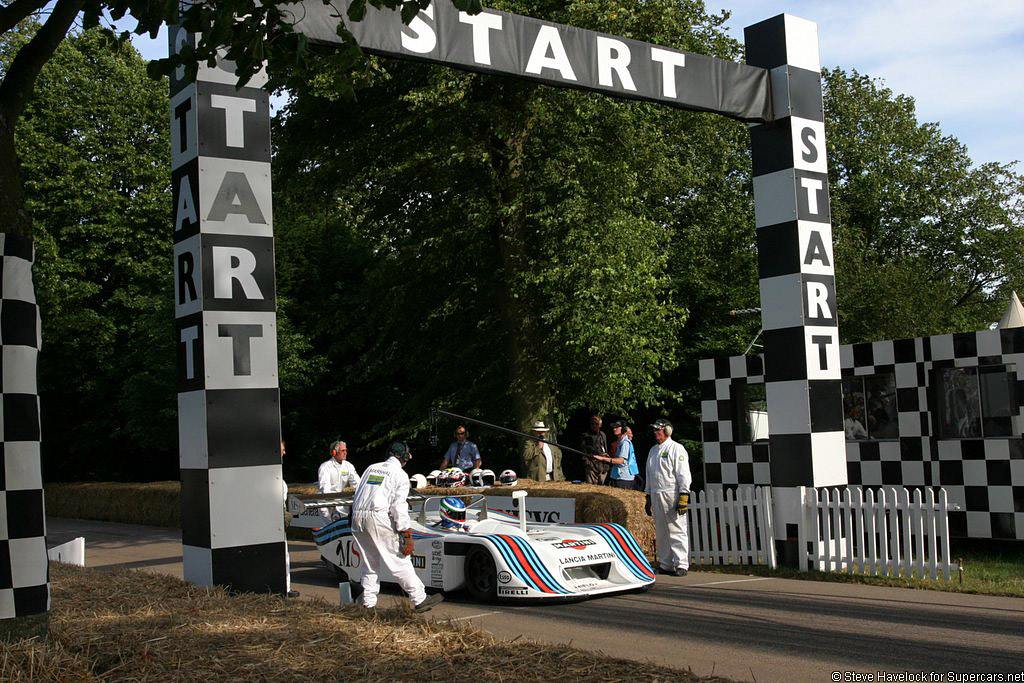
(497, 556)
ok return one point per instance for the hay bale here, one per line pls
(155, 503)
(136, 626)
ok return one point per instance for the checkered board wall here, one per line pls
(985, 477)
(24, 588)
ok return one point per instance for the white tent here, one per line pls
(1014, 316)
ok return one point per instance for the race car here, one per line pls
(496, 556)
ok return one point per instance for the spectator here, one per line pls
(853, 426)
(624, 470)
(287, 560)
(541, 462)
(463, 453)
(594, 442)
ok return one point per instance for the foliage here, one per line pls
(517, 264)
(94, 142)
(925, 243)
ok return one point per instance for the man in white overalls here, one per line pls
(668, 476)
(383, 530)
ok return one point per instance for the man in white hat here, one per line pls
(542, 463)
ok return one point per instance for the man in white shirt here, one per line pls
(335, 475)
(382, 528)
(668, 475)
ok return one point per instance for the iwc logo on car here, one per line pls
(574, 545)
(504, 576)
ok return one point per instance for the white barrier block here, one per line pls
(345, 593)
(72, 552)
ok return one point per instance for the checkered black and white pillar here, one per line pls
(797, 280)
(229, 421)
(24, 586)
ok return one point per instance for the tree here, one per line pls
(517, 263)
(925, 242)
(94, 137)
(251, 32)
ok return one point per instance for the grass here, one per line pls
(990, 568)
(136, 626)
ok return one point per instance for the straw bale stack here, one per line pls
(155, 503)
(137, 626)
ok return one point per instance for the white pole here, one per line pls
(521, 497)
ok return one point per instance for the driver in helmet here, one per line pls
(453, 514)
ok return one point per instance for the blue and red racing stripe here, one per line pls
(525, 564)
(336, 529)
(502, 513)
(625, 548)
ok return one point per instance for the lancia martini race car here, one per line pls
(496, 556)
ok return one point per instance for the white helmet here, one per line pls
(432, 477)
(509, 478)
(476, 477)
(487, 478)
(457, 478)
(418, 481)
(442, 478)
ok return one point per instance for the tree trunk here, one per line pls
(531, 396)
(14, 218)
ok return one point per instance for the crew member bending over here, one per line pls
(383, 530)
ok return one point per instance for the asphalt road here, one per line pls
(740, 627)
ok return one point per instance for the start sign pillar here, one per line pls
(803, 384)
(229, 420)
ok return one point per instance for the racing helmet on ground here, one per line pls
(508, 478)
(476, 477)
(487, 478)
(432, 478)
(418, 481)
(453, 513)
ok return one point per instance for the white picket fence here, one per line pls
(891, 534)
(731, 528)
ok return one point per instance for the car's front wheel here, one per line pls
(481, 575)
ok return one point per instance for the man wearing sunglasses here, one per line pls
(463, 453)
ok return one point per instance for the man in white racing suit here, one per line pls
(383, 530)
(668, 475)
(335, 475)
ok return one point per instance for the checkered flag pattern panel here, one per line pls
(24, 586)
(229, 420)
(981, 473)
(795, 268)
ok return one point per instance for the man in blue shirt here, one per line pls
(463, 453)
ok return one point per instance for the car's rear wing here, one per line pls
(296, 505)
